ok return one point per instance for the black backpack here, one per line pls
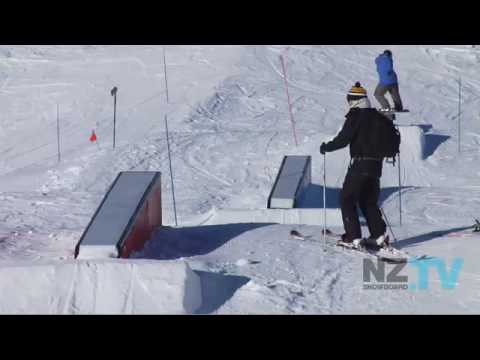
(385, 137)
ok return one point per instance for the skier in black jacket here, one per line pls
(361, 187)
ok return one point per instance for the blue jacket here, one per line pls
(385, 70)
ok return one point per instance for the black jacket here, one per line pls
(357, 132)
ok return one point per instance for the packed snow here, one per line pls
(100, 287)
(229, 128)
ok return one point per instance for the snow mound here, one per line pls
(100, 287)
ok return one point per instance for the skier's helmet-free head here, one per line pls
(388, 53)
(357, 96)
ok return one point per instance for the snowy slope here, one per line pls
(100, 287)
(229, 124)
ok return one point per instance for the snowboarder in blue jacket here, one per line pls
(388, 82)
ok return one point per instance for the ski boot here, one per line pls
(376, 243)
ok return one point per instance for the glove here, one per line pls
(322, 149)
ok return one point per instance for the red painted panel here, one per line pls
(155, 208)
(148, 219)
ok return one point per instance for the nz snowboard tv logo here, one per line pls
(378, 275)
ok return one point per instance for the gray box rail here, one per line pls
(294, 176)
(128, 213)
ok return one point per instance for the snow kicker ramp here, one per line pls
(126, 217)
(114, 286)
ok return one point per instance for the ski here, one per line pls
(387, 254)
(330, 235)
(471, 231)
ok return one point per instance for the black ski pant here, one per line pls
(380, 92)
(361, 191)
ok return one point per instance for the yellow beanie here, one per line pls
(358, 90)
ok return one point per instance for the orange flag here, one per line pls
(93, 137)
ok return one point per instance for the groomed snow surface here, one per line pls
(100, 287)
(229, 131)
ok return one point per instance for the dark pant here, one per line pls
(360, 190)
(380, 92)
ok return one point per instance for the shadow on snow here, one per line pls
(173, 243)
(313, 196)
(217, 289)
(429, 236)
(432, 142)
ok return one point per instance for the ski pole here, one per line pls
(58, 132)
(388, 224)
(324, 202)
(400, 187)
(459, 113)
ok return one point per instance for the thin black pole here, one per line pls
(388, 224)
(114, 117)
(165, 71)
(325, 202)
(171, 172)
(58, 133)
(168, 139)
(113, 92)
(459, 113)
(400, 187)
